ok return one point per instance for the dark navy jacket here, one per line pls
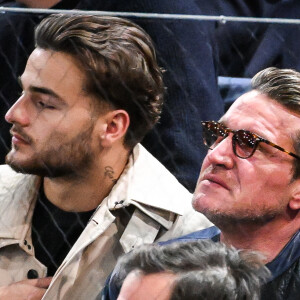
(284, 283)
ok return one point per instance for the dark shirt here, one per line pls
(54, 232)
(285, 268)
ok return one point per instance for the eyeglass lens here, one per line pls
(244, 143)
(211, 133)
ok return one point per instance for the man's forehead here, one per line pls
(252, 100)
(40, 58)
(147, 286)
(54, 66)
(257, 107)
(54, 71)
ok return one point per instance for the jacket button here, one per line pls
(32, 274)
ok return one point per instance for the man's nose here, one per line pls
(222, 154)
(18, 112)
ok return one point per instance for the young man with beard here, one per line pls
(91, 90)
(249, 183)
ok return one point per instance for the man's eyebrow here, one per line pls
(42, 90)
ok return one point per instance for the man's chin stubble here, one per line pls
(226, 221)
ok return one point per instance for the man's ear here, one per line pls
(294, 202)
(116, 125)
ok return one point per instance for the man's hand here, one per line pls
(30, 289)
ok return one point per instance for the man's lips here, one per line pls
(216, 179)
(17, 138)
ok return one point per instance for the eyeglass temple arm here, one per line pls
(280, 148)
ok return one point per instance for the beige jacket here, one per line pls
(161, 203)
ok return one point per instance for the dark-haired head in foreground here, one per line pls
(190, 270)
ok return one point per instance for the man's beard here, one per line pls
(59, 160)
(229, 221)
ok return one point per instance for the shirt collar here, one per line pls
(288, 255)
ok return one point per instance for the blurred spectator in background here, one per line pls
(279, 44)
(238, 40)
(245, 48)
(188, 270)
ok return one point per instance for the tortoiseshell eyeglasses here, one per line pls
(244, 143)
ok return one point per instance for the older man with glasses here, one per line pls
(249, 184)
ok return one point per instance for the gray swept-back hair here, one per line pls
(283, 86)
(203, 269)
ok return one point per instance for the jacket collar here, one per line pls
(147, 182)
(18, 193)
